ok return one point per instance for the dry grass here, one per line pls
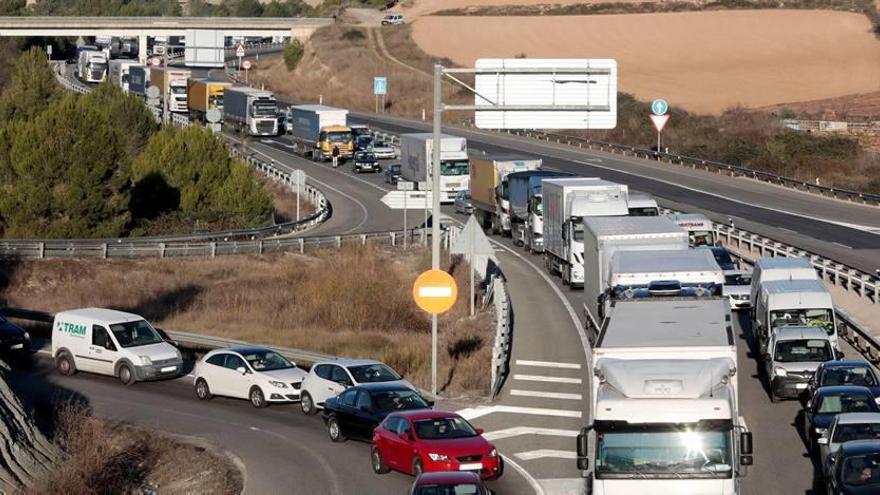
(284, 202)
(104, 456)
(354, 302)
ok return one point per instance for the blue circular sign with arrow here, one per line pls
(659, 106)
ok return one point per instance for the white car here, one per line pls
(259, 375)
(737, 288)
(384, 151)
(392, 20)
(330, 378)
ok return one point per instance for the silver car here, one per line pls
(846, 427)
(463, 202)
(737, 288)
(384, 151)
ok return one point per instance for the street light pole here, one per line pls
(435, 213)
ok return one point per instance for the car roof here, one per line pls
(860, 447)
(101, 315)
(382, 387)
(420, 414)
(800, 332)
(242, 350)
(447, 477)
(857, 418)
(845, 363)
(346, 362)
(842, 389)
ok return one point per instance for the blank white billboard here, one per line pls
(596, 87)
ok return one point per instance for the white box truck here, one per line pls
(603, 237)
(490, 189)
(699, 228)
(172, 85)
(783, 303)
(780, 268)
(566, 203)
(665, 407)
(525, 198)
(415, 163)
(250, 111)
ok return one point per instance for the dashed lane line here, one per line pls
(531, 455)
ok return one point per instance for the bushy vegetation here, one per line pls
(293, 52)
(98, 166)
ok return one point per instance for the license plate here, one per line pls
(472, 466)
(800, 386)
(17, 346)
(168, 368)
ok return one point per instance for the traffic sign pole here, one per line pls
(435, 292)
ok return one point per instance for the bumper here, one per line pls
(283, 395)
(788, 387)
(487, 468)
(738, 304)
(385, 156)
(366, 168)
(171, 369)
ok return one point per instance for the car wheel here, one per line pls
(203, 392)
(307, 404)
(417, 467)
(257, 398)
(379, 466)
(64, 364)
(334, 430)
(125, 375)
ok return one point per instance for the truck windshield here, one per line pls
(215, 101)
(457, 167)
(817, 317)
(577, 230)
(644, 212)
(803, 351)
(178, 90)
(338, 137)
(664, 451)
(135, 333)
(537, 206)
(97, 66)
(264, 109)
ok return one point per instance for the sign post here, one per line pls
(472, 242)
(404, 185)
(659, 107)
(380, 88)
(299, 178)
(435, 292)
(246, 65)
(239, 52)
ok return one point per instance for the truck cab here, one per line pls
(791, 358)
(642, 205)
(92, 64)
(700, 229)
(338, 138)
(784, 303)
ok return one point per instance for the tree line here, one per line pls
(98, 165)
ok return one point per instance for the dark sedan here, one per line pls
(828, 402)
(12, 337)
(722, 257)
(849, 372)
(856, 470)
(357, 411)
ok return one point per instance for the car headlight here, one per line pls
(145, 360)
(277, 384)
(779, 371)
(494, 453)
(27, 336)
(877, 400)
(438, 457)
(820, 431)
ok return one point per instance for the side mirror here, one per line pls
(410, 437)
(241, 370)
(583, 447)
(839, 354)
(430, 403)
(480, 431)
(745, 443)
(745, 460)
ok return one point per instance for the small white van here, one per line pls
(110, 342)
(779, 268)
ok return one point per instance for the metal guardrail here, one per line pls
(497, 293)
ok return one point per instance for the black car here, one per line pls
(357, 411)
(828, 402)
(363, 143)
(722, 257)
(392, 173)
(13, 338)
(365, 161)
(856, 469)
(845, 372)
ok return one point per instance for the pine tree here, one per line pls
(32, 88)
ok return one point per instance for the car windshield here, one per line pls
(648, 211)
(862, 470)
(398, 400)
(267, 361)
(338, 137)
(738, 279)
(856, 431)
(702, 238)
(818, 317)
(803, 351)
(456, 489)
(844, 403)
(857, 375)
(444, 428)
(458, 167)
(135, 333)
(394, 168)
(366, 157)
(722, 257)
(373, 373)
(672, 451)
(379, 144)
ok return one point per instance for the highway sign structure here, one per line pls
(544, 93)
(472, 242)
(405, 185)
(397, 200)
(659, 106)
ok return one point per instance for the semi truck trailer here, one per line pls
(490, 191)
(566, 203)
(525, 194)
(415, 163)
(320, 132)
(203, 95)
(665, 414)
(120, 72)
(250, 111)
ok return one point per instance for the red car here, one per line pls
(449, 483)
(429, 441)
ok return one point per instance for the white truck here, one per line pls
(606, 237)
(783, 303)
(566, 203)
(699, 228)
(415, 163)
(525, 196)
(91, 64)
(490, 190)
(250, 111)
(120, 71)
(779, 268)
(172, 85)
(643, 205)
(665, 412)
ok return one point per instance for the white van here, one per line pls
(784, 303)
(109, 342)
(701, 231)
(779, 268)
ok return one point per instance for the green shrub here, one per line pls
(293, 53)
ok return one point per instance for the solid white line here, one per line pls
(526, 430)
(531, 455)
(545, 395)
(841, 245)
(553, 379)
(479, 411)
(548, 364)
(539, 490)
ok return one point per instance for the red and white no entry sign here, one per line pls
(246, 65)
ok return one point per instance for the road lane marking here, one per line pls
(841, 245)
(546, 395)
(548, 364)
(531, 455)
(479, 411)
(552, 379)
(539, 490)
(527, 430)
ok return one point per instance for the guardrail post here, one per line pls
(338, 241)
(213, 249)
(42, 250)
(363, 239)
(393, 240)
(104, 250)
(161, 249)
(261, 247)
(302, 245)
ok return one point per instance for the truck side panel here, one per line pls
(483, 183)
(306, 124)
(554, 217)
(235, 105)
